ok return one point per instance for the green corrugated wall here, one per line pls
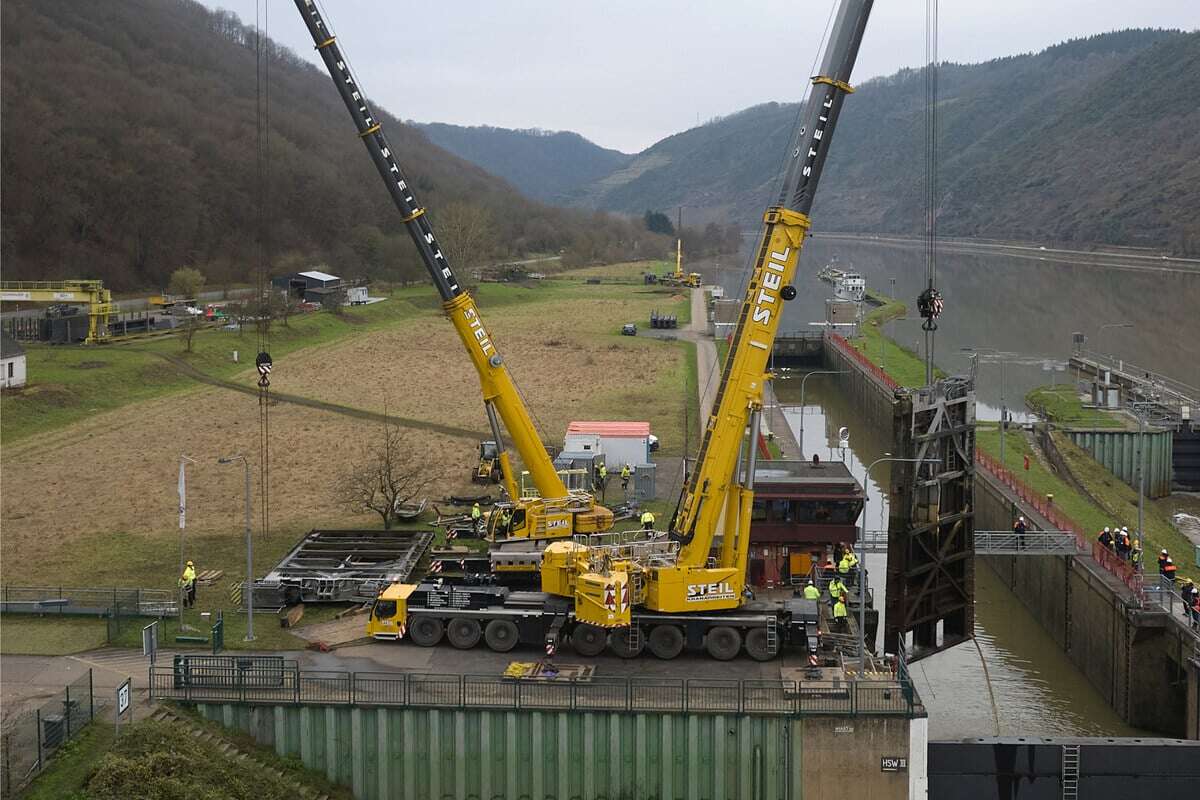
(385, 753)
(1117, 451)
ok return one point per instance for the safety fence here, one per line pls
(856, 355)
(30, 738)
(286, 685)
(1168, 594)
(1109, 560)
(121, 607)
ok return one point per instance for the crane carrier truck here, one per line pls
(661, 590)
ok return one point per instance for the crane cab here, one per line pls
(389, 614)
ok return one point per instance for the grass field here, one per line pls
(905, 366)
(1061, 404)
(91, 451)
(1119, 508)
(29, 635)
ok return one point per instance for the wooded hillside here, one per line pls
(129, 149)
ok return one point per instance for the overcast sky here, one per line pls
(626, 73)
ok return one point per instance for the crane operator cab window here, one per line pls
(503, 525)
(384, 609)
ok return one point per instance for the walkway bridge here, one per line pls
(1000, 543)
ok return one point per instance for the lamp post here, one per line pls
(183, 462)
(803, 381)
(248, 591)
(1000, 359)
(862, 548)
(1104, 327)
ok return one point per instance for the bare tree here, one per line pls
(467, 233)
(190, 326)
(385, 477)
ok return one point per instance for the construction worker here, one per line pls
(853, 558)
(1189, 593)
(476, 517)
(1019, 529)
(1135, 555)
(1163, 557)
(625, 478)
(1169, 569)
(811, 592)
(187, 585)
(647, 520)
(837, 590)
(843, 569)
(1105, 538)
(1123, 544)
(506, 519)
(603, 474)
(840, 620)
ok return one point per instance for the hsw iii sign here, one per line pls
(893, 764)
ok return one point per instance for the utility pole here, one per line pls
(183, 461)
(804, 381)
(248, 589)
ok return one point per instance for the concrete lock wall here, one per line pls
(1118, 450)
(1139, 661)
(386, 753)
(873, 397)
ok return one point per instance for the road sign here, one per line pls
(124, 693)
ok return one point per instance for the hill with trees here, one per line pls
(128, 148)
(544, 165)
(1095, 140)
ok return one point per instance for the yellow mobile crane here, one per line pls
(548, 510)
(684, 587)
(678, 277)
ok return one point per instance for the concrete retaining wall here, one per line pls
(1140, 661)
(870, 394)
(424, 752)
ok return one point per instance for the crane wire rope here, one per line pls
(930, 301)
(262, 118)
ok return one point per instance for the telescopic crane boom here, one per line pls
(558, 512)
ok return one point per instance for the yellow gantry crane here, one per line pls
(98, 299)
(548, 510)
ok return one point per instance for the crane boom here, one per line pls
(499, 392)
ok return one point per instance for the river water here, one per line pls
(1037, 691)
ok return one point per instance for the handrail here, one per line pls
(854, 353)
(288, 685)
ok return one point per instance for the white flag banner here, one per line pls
(182, 497)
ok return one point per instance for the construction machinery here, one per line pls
(488, 469)
(545, 508)
(98, 299)
(685, 587)
(679, 277)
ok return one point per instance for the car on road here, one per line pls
(629, 329)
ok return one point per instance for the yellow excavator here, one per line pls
(685, 587)
(544, 509)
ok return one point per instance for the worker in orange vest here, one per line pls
(1169, 569)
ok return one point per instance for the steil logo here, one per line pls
(768, 294)
(481, 336)
(698, 592)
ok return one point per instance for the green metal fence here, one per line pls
(242, 681)
(31, 738)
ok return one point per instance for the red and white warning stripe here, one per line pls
(435, 567)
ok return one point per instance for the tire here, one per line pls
(756, 645)
(723, 643)
(426, 631)
(666, 642)
(619, 643)
(501, 635)
(463, 633)
(589, 640)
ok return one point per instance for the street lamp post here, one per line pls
(862, 548)
(183, 462)
(803, 381)
(1105, 326)
(248, 591)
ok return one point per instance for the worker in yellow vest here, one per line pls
(647, 520)
(840, 614)
(476, 516)
(811, 592)
(837, 590)
(187, 585)
(603, 473)
(625, 478)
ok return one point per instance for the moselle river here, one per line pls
(1027, 304)
(1037, 690)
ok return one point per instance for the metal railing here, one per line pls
(1140, 375)
(88, 600)
(855, 355)
(1166, 594)
(293, 686)
(997, 543)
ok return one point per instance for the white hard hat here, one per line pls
(1106, 529)
(1125, 528)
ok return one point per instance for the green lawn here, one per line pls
(906, 367)
(1120, 502)
(50, 635)
(1061, 404)
(68, 772)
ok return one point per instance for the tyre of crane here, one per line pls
(621, 643)
(589, 640)
(666, 641)
(463, 633)
(501, 635)
(757, 647)
(426, 631)
(723, 643)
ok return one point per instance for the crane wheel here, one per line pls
(723, 643)
(426, 631)
(666, 641)
(757, 647)
(589, 640)
(622, 643)
(501, 635)
(463, 633)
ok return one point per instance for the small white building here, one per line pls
(12, 362)
(619, 442)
